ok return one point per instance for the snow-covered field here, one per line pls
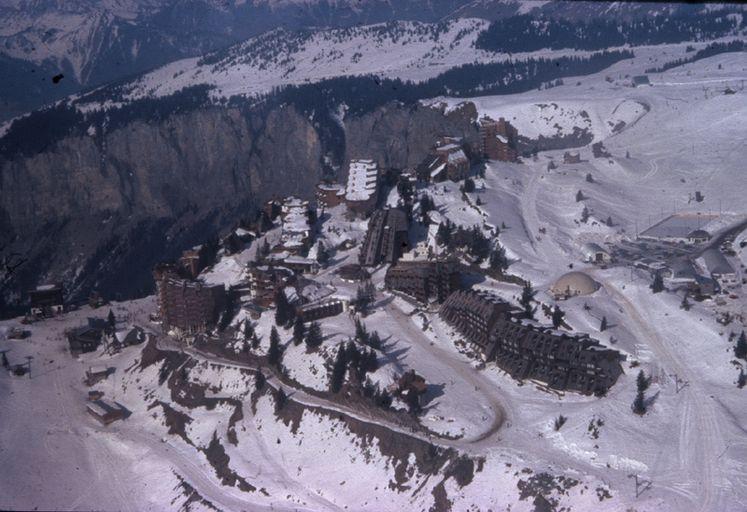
(690, 444)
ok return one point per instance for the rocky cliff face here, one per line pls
(97, 211)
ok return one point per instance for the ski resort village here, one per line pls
(546, 313)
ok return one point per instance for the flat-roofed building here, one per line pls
(191, 306)
(330, 195)
(498, 139)
(424, 281)
(529, 351)
(718, 267)
(386, 238)
(105, 411)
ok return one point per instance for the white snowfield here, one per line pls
(690, 445)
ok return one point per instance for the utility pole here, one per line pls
(679, 384)
(641, 485)
(28, 362)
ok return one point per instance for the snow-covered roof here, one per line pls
(501, 138)
(592, 248)
(329, 186)
(457, 156)
(103, 407)
(716, 263)
(46, 287)
(435, 172)
(577, 283)
(362, 180)
(448, 147)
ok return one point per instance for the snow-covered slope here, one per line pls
(280, 57)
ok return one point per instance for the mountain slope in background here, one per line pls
(93, 42)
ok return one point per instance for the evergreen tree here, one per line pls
(337, 379)
(740, 349)
(609, 222)
(299, 331)
(255, 341)
(443, 234)
(311, 215)
(275, 352)
(413, 401)
(374, 340)
(283, 311)
(265, 224)
(585, 215)
(314, 336)
(259, 381)
(479, 245)
(642, 382)
(579, 196)
(6, 364)
(404, 189)
(369, 362)
(527, 296)
(384, 399)
(322, 253)
(280, 399)
(469, 186)
(361, 333)
(248, 330)
(589, 178)
(639, 404)
(426, 204)
(263, 251)
(742, 379)
(685, 304)
(603, 324)
(498, 261)
(111, 321)
(557, 316)
(364, 296)
(658, 284)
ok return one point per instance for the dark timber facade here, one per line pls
(187, 305)
(386, 238)
(424, 281)
(528, 351)
(498, 140)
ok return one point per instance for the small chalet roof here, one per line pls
(591, 249)
(448, 147)
(47, 287)
(501, 138)
(103, 407)
(457, 156)
(330, 186)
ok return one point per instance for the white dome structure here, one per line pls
(573, 284)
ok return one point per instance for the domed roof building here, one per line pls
(573, 284)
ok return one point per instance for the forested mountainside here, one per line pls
(91, 43)
(524, 33)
